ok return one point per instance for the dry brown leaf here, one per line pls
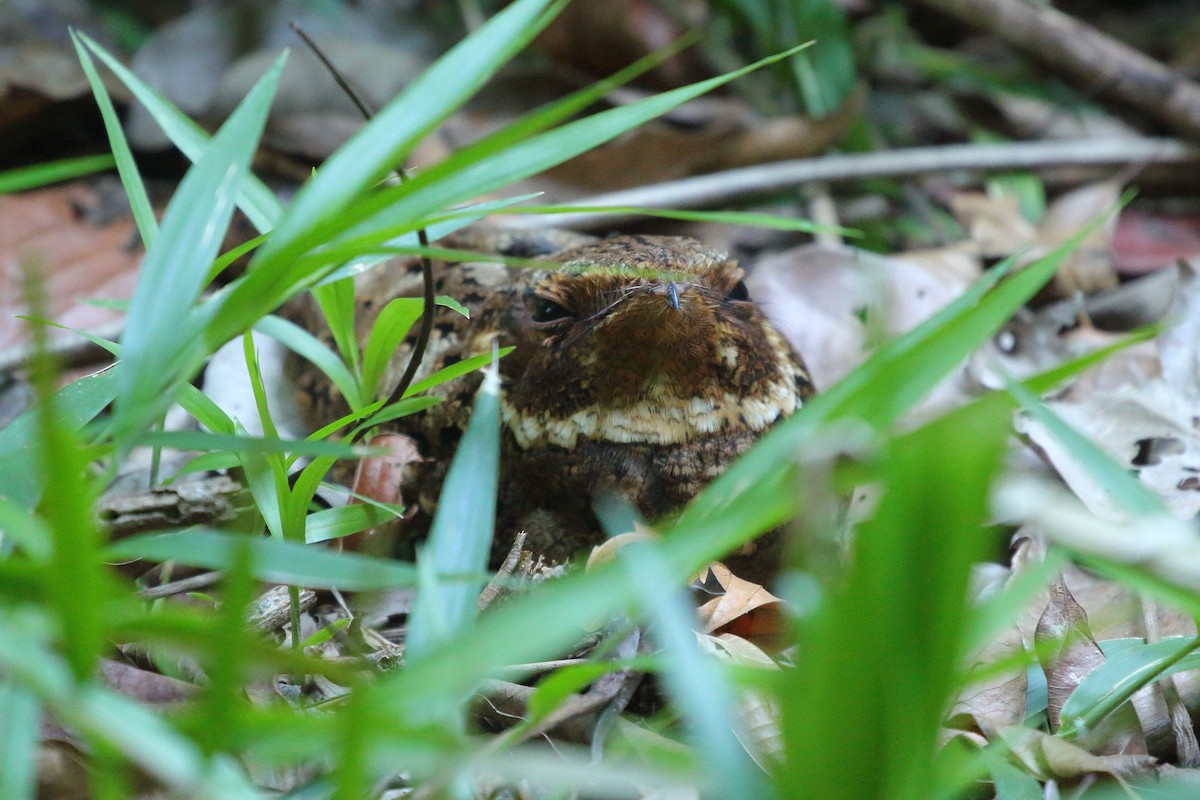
(1048, 757)
(998, 696)
(1089, 268)
(143, 686)
(994, 223)
(759, 730)
(608, 550)
(744, 609)
(1146, 423)
(1069, 654)
(50, 230)
(1065, 646)
(834, 304)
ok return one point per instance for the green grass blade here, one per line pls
(455, 370)
(1111, 684)
(390, 328)
(131, 179)
(79, 589)
(275, 560)
(221, 442)
(161, 335)
(702, 691)
(128, 727)
(75, 404)
(253, 197)
(748, 219)
(336, 301)
(281, 272)
(334, 523)
(397, 127)
(1121, 487)
(18, 180)
(460, 538)
(20, 732)
(452, 181)
(309, 347)
(903, 598)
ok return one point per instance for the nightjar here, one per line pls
(640, 366)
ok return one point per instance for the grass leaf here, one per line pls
(460, 537)
(131, 179)
(161, 340)
(18, 180)
(274, 560)
(253, 196)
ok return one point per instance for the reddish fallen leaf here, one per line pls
(144, 686)
(380, 478)
(1145, 242)
(81, 250)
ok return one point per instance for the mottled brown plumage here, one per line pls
(640, 366)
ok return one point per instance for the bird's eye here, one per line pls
(549, 311)
(739, 292)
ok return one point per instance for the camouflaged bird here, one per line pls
(640, 365)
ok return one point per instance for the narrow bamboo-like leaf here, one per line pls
(389, 330)
(20, 732)
(722, 217)
(161, 335)
(18, 180)
(455, 370)
(221, 442)
(1125, 490)
(1118, 679)
(334, 523)
(253, 197)
(445, 301)
(75, 404)
(397, 127)
(275, 560)
(304, 344)
(460, 538)
(336, 301)
(394, 411)
(226, 259)
(406, 236)
(281, 271)
(127, 727)
(104, 344)
(453, 181)
(701, 690)
(131, 179)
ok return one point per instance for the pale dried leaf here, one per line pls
(1089, 268)
(999, 696)
(993, 222)
(745, 609)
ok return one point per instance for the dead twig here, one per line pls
(723, 188)
(1082, 52)
(429, 305)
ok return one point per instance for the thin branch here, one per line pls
(720, 189)
(1084, 53)
(429, 306)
